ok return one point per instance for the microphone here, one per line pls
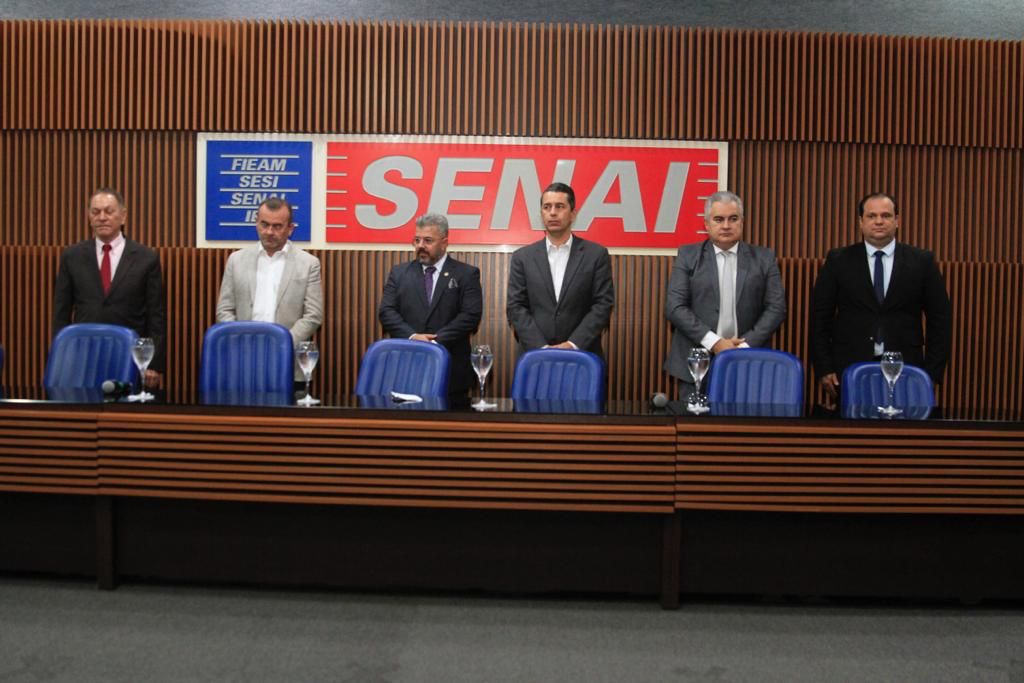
(116, 388)
(659, 400)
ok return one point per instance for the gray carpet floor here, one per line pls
(54, 630)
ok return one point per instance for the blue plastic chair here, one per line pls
(559, 375)
(405, 366)
(247, 357)
(756, 376)
(85, 355)
(863, 389)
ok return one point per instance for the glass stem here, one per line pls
(482, 382)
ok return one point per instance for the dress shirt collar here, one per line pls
(734, 249)
(439, 265)
(888, 249)
(549, 247)
(116, 244)
(282, 251)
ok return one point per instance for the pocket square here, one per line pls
(453, 283)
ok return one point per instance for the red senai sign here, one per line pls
(629, 194)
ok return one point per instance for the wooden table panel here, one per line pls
(431, 463)
(866, 467)
(48, 452)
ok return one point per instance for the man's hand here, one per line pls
(563, 345)
(153, 380)
(423, 337)
(727, 344)
(830, 383)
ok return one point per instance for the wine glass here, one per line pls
(699, 361)
(142, 354)
(307, 355)
(482, 360)
(892, 366)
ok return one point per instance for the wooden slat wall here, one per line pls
(516, 79)
(814, 121)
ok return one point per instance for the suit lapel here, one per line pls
(286, 277)
(899, 272)
(441, 283)
(864, 276)
(540, 257)
(571, 267)
(251, 264)
(124, 266)
(744, 257)
(707, 264)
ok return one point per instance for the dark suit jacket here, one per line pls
(692, 305)
(454, 312)
(136, 297)
(584, 306)
(845, 314)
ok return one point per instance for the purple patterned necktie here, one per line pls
(428, 281)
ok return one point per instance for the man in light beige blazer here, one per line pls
(273, 281)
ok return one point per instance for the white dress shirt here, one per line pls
(558, 259)
(269, 270)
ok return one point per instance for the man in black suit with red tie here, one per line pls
(114, 280)
(435, 298)
(870, 297)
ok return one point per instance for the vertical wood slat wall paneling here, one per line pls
(96, 102)
(983, 377)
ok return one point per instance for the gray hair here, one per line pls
(725, 197)
(435, 219)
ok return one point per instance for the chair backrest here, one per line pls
(863, 387)
(559, 375)
(762, 376)
(405, 366)
(85, 355)
(247, 356)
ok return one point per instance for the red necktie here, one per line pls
(105, 269)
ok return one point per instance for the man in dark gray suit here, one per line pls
(560, 291)
(449, 314)
(114, 280)
(709, 274)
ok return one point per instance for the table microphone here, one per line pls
(116, 388)
(659, 400)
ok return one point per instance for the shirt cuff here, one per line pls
(709, 340)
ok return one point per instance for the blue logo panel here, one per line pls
(242, 173)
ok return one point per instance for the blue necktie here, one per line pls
(428, 282)
(879, 276)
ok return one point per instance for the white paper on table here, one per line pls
(406, 398)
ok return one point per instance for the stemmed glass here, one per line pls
(482, 360)
(892, 366)
(699, 360)
(307, 355)
(142, 354)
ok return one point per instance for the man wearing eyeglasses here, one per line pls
(435, 299)
(870, 297)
